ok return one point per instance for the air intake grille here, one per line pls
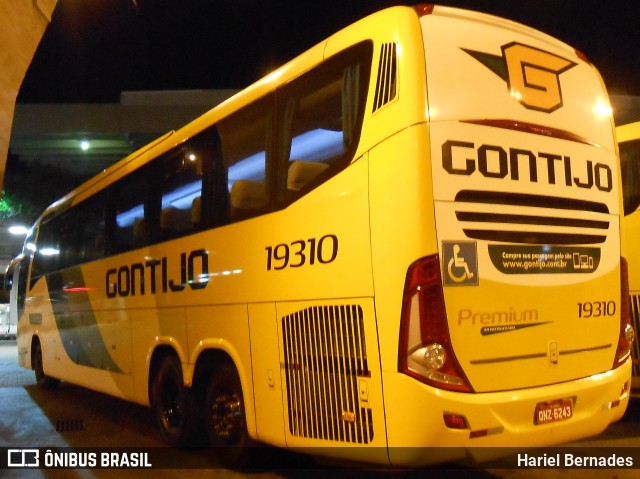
(635, 319)
(325, 356)
(539, 228)
(386, 86)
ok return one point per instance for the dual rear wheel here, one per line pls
(181, 414)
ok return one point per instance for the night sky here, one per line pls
(95, 49)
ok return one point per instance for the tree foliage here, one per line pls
(30, 187)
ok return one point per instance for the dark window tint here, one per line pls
(630, 169)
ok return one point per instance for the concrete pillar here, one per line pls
(22, 24)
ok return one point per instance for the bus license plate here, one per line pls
(553, 411)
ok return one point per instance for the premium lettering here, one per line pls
(492, 161)
(485, 318)
(153, 275)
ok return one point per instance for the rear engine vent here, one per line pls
(586, 224)
(386, 86)
(325, 355)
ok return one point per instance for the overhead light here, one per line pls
(84, 145)
(18, 230)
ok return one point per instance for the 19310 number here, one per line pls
(298, 253)
(595, 309)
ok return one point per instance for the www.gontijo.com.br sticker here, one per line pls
(525, 259)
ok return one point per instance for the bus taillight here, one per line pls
(627, 334)
(425, 350)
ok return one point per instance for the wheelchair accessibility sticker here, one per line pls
(460, 263)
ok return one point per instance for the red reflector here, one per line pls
(582, 56)
(624, 389)
(77, 290)
(454, 421)
(423, 9)
(480, 433)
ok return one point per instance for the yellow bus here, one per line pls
(401, 239)
(628, 137)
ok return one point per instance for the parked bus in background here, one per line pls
(400, 239)
(628, 137)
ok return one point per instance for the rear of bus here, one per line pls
(514, 329)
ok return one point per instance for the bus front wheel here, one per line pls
(226, 420)
(172, 403)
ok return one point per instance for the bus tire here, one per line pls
(42, 380)
(226, 419)
(173, 404)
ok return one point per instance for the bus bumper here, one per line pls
(498, 423)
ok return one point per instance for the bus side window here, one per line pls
(22, 270)
(128, 227)
(38, 266)
(321, 118)
(244, 138)
(181, 191)
(66, 230)
(630, 169)
(90, 220)
(58, 244)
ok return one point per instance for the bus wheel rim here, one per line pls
(170, 404)
(226, 417)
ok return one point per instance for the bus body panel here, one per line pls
(266, 373)
(497, 66)
(91, 348)
(506, 152)
(496, 421)
(400, 225)
(500, 311)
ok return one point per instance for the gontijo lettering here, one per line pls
(132, 279)
(493, 161)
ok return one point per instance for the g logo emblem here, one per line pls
(532, 75)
